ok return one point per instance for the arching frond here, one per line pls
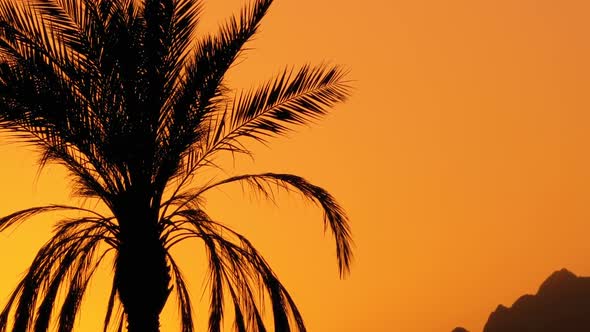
(17, 217)
(273, 108)
(267, 183)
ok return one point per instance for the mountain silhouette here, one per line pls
(562, 304)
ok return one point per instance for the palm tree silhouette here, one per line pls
(122, 94)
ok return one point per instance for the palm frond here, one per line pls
(334, 216)
(183, 297)
(45, 88)
(216, 281)
(74, 24)
(289, 99)
(273, 109)
(77, 289)
(19, 216)
(68, 258)
(213, 57)
(238, 268)
(184, 23)
(112, 305)
(199, 92)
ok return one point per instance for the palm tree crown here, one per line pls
(124, 95)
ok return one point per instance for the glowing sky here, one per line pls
(461, 159)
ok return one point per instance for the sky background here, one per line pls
(461, 159)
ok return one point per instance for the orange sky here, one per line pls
(461, 160)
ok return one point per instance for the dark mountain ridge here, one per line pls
(562, 304)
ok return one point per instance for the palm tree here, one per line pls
(123, 95)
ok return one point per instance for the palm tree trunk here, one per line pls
(142, 274)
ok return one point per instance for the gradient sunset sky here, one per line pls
(461, 158)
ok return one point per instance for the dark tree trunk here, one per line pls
(142, 274)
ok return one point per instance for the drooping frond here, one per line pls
(183, 297)
(267, 183)
(236, 267)
(112, 305)
(115, 315)
(67, 261)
